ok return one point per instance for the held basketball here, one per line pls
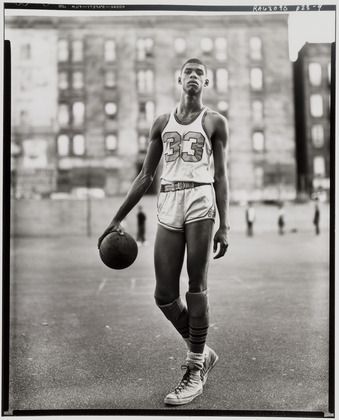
(118, 251)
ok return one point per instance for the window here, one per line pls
(149, 47)
(149, 111)
(111, 110)
(314, 73)
(142, 110)
(78, 113)
(149, 80)
(210, 77)
(78, 80)
(255, 48)
(318, 135)
(25, 51)
(257, 111)
(142, 140)
(141, 81)
(220, 48)
(222, 80)
(316, 105)
(223, 108)
(258, 141)
(63, 80)
(79, 145)
(24, 116)
(26, 77)
(146, 111)
(110, 81)
(77, 50)
(63, 145)
(180, 45)
(144, 48)
(206, 45)
(111, 142)
(145, 81)
(63, 51)
(319, 166)
(63, 114)
(256, 79)
(110, 53)
(258, 177)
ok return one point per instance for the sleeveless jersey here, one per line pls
(187, 151)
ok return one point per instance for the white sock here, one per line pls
(195, 361)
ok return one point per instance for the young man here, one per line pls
(188, 137)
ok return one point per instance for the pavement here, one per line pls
(84, 337)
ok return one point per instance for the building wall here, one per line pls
(315, 175)
(34, 81)
(262, 172)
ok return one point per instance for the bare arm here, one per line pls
(143, 181)
(219, 142)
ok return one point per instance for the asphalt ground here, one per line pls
(87, 337)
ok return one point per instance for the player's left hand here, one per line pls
(221, 238)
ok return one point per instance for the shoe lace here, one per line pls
(186, 379)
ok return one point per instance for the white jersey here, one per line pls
(187, 151)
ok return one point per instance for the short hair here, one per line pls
(194, 60)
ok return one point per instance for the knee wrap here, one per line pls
(173, 310)
(176, 312)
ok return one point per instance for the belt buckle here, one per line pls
(180, 185)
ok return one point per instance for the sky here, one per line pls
(309, 27)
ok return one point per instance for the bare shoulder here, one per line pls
(160, 123)
(216, 118)
(215, 124)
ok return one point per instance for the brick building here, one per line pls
(85, 91)
(312, 80)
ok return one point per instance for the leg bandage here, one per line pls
(198, 313)
(176, 312)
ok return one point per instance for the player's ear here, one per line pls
(206, 82)
(179, 80)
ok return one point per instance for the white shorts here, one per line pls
(177, 208)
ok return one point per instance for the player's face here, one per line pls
(193, 78)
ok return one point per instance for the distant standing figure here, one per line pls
(281, 219)
(141, 217)
(250, 217)
(316, 218)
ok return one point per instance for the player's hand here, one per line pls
(221, 238)
(114, 226)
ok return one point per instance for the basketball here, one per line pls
(118, 251)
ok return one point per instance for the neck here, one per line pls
(189, 104)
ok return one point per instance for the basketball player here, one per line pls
(188, 137)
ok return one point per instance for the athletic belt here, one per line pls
(176, 186)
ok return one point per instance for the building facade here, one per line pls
(312, 80)
(86, 90)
